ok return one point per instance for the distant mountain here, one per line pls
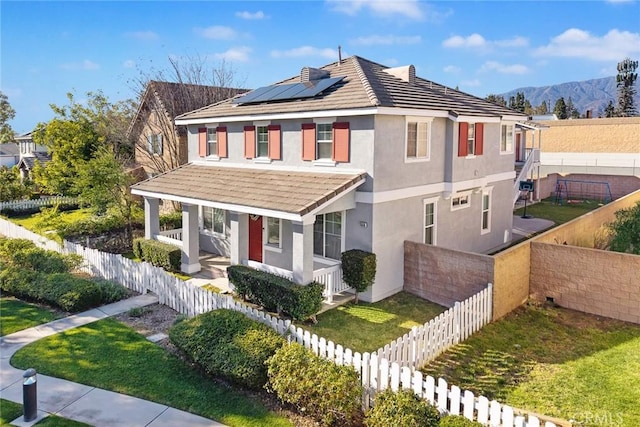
(586, 95)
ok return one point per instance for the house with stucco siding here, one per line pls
(353, 154)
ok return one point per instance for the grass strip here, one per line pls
(110, 355)
(17, 315)
(369, 326)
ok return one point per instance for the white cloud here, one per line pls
(306, 51)
(451, 69)
(237, 54)
(407, 8)
(216, 32)
(577, 43)
(84, 65)
(388, 40)
(129, 63)
(143, 35)
(504, 69)
(471, 83)
(251, 16)
(476, 40)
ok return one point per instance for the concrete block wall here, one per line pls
(444, 276)
(511, 279)
(620, 185)
(588, 280)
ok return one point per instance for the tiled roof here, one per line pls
(366, 84)
(43, 158)
(272, 189)
(9, 149)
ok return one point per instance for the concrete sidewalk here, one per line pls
(524, 227)
(90, 405)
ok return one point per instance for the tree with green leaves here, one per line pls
(6, 113)
(626, 231)
(541, 109)
(572, 111)
(496, 99)
(12, 187)
(626, 80)
(560, 109)
(610, 110)
(517, 102)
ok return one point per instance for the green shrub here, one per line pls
(276, 293)
(228, 344)
(458, 421)
(358, 269)
(160, 254)
(71, 293)
(95, 225)
(24, 254)
(171, 221)
(401, 409)
(317, 387)
(110, 291)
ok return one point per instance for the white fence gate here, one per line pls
(392, 366)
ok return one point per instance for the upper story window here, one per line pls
(212, 142)
(417, 140)
(154, 143)
(506, 139)
(263, 142)
(470, 139)
(324, 132)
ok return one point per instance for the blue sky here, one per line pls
(50, 48)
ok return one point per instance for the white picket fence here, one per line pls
(376, 371)
(425, 343)
(36, 203)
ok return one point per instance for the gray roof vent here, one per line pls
(308, 74)
(406, 73)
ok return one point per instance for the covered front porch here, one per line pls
(288, 223)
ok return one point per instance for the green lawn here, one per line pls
(17, 315)
(43, 224)
(552, 361)
(367, 327)
(10, 411)
(110, 355)
(547, 209)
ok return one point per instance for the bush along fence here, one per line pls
(376, 371)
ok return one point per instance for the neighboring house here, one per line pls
(9, 154)
(350, 155)
(30, 152)
(160, 145)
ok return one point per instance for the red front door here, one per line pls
(255, 238)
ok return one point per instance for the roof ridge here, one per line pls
(365, 81)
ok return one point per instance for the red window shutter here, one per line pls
(479, 141)
(202, 142)
(275, 151)
(249, 142)
(341, 142)
(308, 141)
(463, 134)
(222, 141)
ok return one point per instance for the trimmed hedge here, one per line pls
(401, 409)
(228, 344)
(276, 293)
(458, 421)
(317, 387)
(358, 269)
(170, 221)
(160, 254)
(95, 226)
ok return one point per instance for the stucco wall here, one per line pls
(445, 276)
(612, 135)
(588, 280)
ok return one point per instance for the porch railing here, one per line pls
(171, 236)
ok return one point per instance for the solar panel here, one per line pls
(287, 91)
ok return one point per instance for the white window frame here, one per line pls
(418, 121)
(213, 225)
(471, 140)
(324, 161)
(485, 192)
(508, 145)
(432, 201)
(323, 258)
(155, 144)
(267, 245)
(215, 132)
(460, 200)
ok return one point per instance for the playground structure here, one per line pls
(571, 191)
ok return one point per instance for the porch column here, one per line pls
(302, 251)
(151, 217)
(190, 239)
(239, 237)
